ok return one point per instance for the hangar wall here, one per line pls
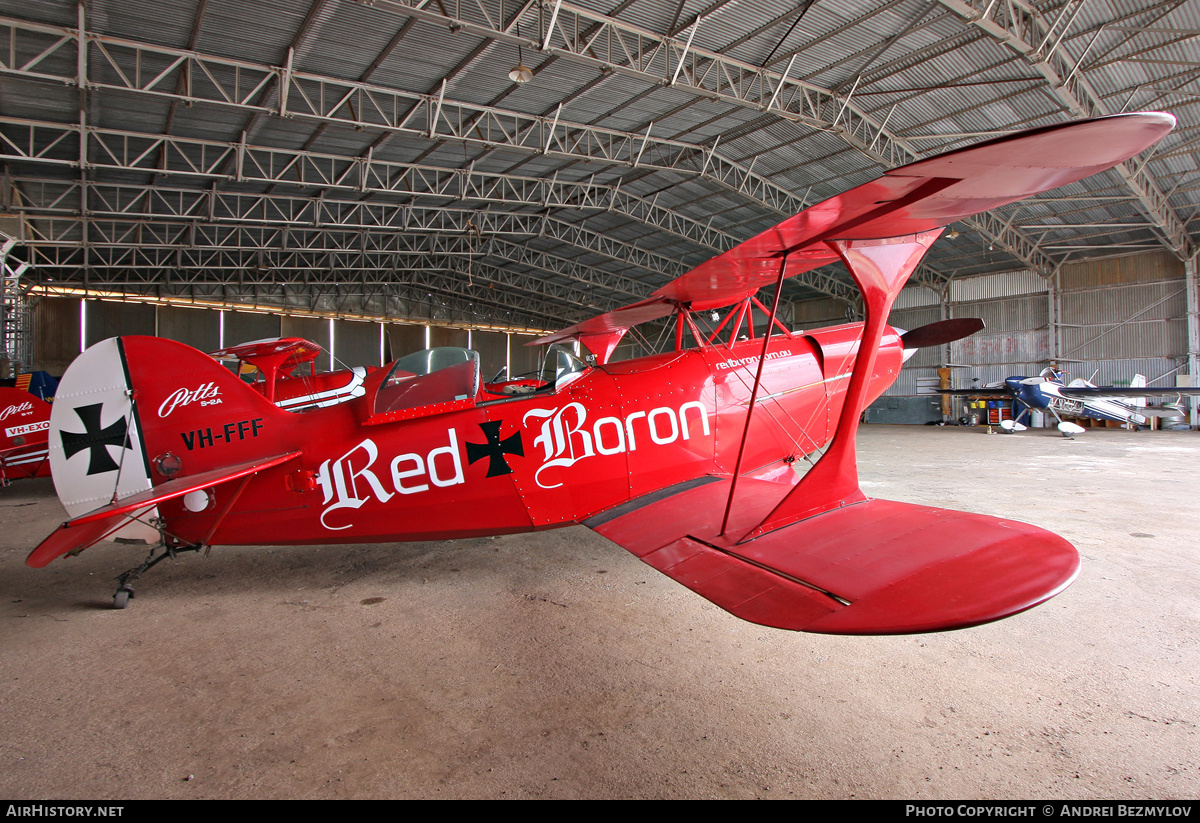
(1124, 316)
(59, 325)
(814, 314)
(55, 332)
(1102, 320)
(199, 328)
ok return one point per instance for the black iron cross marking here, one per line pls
(96, 439)
(495, 449)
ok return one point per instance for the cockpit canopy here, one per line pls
(432, 381)
(426, 382)
(561, 366)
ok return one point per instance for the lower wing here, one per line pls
(873, 567)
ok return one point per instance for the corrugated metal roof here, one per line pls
(658, 128)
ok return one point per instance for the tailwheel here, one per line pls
(122, 597)
(124, 591)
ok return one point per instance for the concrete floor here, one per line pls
(556, 665)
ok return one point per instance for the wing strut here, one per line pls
(737, 468)
(880, 269)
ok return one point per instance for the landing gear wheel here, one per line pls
(122, 597)
(125, 591)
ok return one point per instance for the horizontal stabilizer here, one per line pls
(79, 533)
(1098, 392)
(875, 567)
(1161, 411)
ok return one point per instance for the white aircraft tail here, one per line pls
(1138, 382)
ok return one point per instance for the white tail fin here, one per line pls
(96, 453)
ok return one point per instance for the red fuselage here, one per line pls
(534, 461)
(24, 426)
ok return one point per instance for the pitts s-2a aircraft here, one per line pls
(279, 361)
(684, 458)
(1079, 398)
(24, 429)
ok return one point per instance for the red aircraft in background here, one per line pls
(688, 459)
(25, 417)
(288, 379)
(24, 429)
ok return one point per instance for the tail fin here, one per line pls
(132, 413)
(1138, 382)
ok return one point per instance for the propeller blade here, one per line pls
(941, 332)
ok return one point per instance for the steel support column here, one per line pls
(1193, 330)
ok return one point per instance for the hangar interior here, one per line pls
(389, 174)
(380, 176)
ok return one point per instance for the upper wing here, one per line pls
(906, 200)
(284, 352)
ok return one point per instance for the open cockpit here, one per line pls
(432, 381)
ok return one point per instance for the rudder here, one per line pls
(134, 412)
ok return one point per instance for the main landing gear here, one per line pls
(124, 591)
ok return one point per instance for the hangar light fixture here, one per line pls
(521, 74)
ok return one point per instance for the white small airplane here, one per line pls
(1079, 398)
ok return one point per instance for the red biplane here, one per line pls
(283, 362)
(24, 429)
(688, 459)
